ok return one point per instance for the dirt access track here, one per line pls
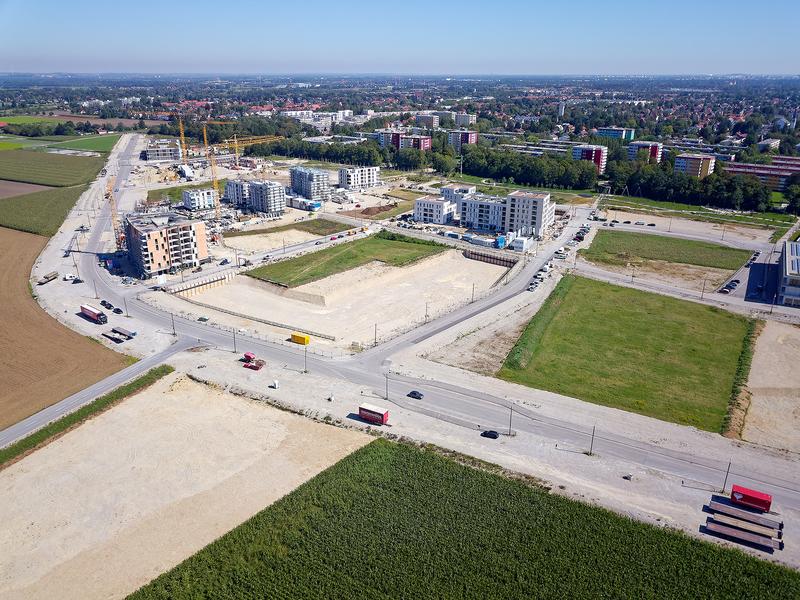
(42, 361)
(131, 493)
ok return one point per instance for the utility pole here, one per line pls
(174, 333)
(702, 293)
(723, 231)
(725, 483)
(234, 340)
(125, 302)
(591, 443)
(305, 359)
(387, 384)
(376, 334)
(95, 290)
(426, 312)
(473, 292)
(510, 416)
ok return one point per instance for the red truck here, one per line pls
(94, 314)
(751, 498)
(373, 414)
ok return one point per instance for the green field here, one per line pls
(94, 143)
(623, 248)
(25, 119)
(401, 194)
(393, 521)
(39, 212)
(319, 226)
(48, 169)
(175, 194)
(10, 145)
(645, 353)
(393, 249)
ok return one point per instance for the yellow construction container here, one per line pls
(301, 338)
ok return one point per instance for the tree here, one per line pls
(443, 163)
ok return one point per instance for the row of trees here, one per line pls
(46, 129)
(367, 154)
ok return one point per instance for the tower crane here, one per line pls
(184, 151)
(213, 164)
(116, 224)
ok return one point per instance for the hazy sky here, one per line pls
(407, 36)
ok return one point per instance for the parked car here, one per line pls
(117, 311)
(614, 221)
(341, 235)
(416, 395)
(224, 262)
(639, 223)
(105, 303)
(651, 224)
(491, 434)
(77, 280)
(317, 243)
(626, 222)
(725, 291)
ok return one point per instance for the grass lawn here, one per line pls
(402, 194)
(499, 188)
(318, 226)
(645, 353)
(175, 194)
(393, 521)
(94, 143)
(39, 212)
(10, 145)
(48, 169)
(622, 248)
(393, 249)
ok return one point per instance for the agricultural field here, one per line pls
(73, 361)
(641, 352)
(175, 194)
(624, 248)
(27, 119)
(93, 143)
(48, 169)
(40, 212)
(9, 146)
(391, 520)
(9, 189)
(318, 226)
(392, 249)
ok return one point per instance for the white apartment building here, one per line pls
(312, 184)
(529, 213)
(465, 120)
(434, 210)
(359, 177)
(483, 213)
(268, 197)
(789, 282)
(455, 191)
(237, 192)
(204, 199)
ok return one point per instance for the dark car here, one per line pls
(651, 224)
(614, 221)
(416, 395)
(105, 303)
(736, 281)
(340, 236)
(117, 311)
(77, 280)
(626, 222)
(490, 433)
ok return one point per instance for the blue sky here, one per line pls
(407, 36)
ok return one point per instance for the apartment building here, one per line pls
(400, 139)
(618, 133)
(789, 284)
(456, 191)
(163, 150)
(482, 212)
(237, 192)
(204, 199)
(654, 150)
(434, 210)
(460, 137)
(445, 114)
(465, 120)
(774, 176)
(695, 165)
(161, 243)
(593, 153)
(427, 121)
(312, 184)
(268, 197)
(359, 177)
(529, 214)
(769, 144)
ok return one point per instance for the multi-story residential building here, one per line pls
(789, 284)
(428, 121)
(529, 213)
(695, 165)
(237, 192)
(204, 199)
(312, 184)
(769, 144)
(268, 197)
(482, 212)
(434, 210)
(460, 137)
(359, 177)
(593, 153)
(456, 191)
(654, 150)
(445, 114)
(163, 150)
(774, 176)
(465, 120)
(400, 139)
(161, 243)
(619, 133)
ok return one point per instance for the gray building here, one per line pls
(237, 192)
(163, 150)
(312, 184)
(789, 283)
(268, 197)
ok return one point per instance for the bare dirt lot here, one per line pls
(774, 415)
(9, 189)
(131, 493)
(42, 361)
(269, 241)
(690, 277)
(741, 233)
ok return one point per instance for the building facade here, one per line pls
(312, 184)
(654, 150)
(695, 165)
(465, 120)
(593, 153)
(359, 177)
(434, 210)
(428, 121)
(401, 139)
(529, 214)
(619, 133)
(483, 213)
(789, 284)
(163, 150)
(158, 244)
(456, 191)
(460, 137)
(204, 199)
(268, 197)
(775, 177)
(237, 192)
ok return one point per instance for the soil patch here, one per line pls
(17, 188)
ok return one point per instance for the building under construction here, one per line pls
(164, 243)
(163, 150)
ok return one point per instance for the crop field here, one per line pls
(17, 188)
(175, 194)
(72, 362)
(645, 353)
(48, 169)
(393, 521)
(622, 248)
(40, 212)
(26, 119)
(318, 226)
(392, 249)
(94, 143)
(9, 146)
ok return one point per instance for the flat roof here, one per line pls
(697, 156)
(146, 223)
(791, 259)
(458, 186)
(532, 195)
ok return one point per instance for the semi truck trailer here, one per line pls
(94, 314)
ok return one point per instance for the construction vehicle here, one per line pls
(301, 338)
